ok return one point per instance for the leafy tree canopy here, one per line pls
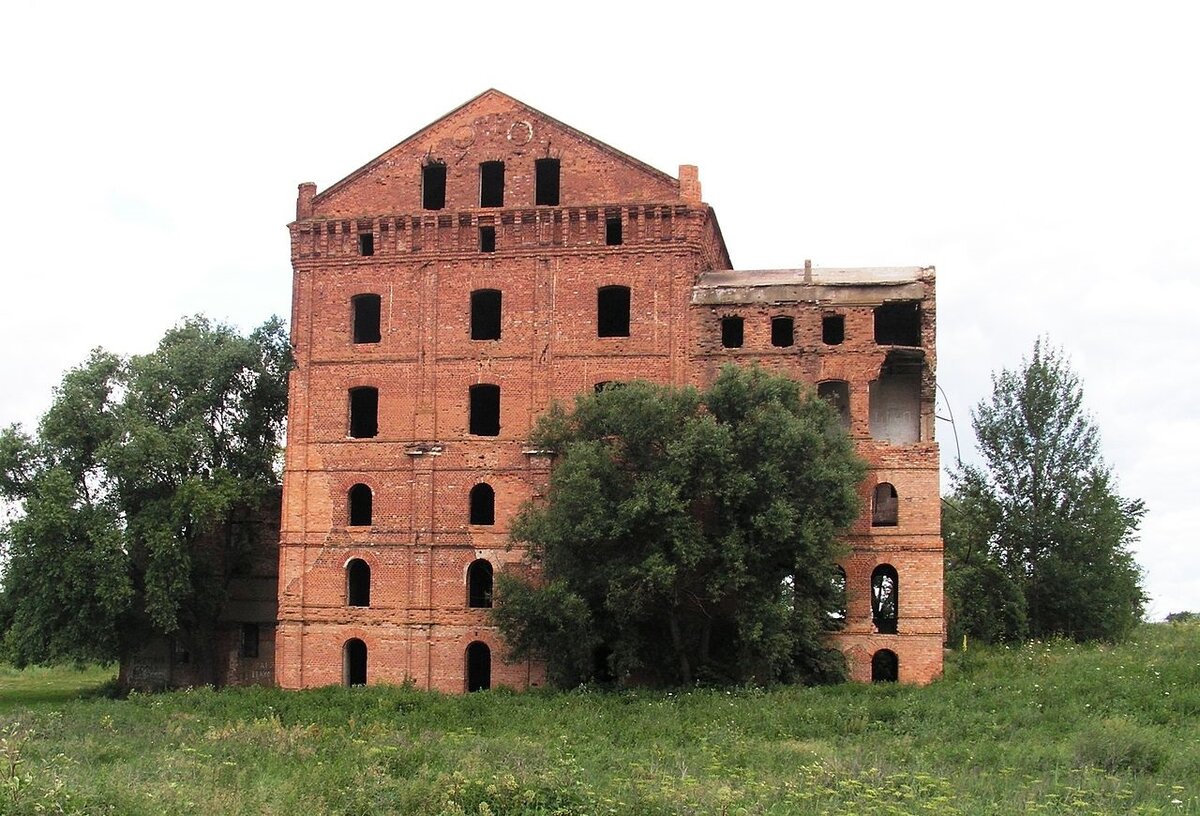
(134, 462)
(1037, 539)
(686, 536)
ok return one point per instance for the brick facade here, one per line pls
(614, 222)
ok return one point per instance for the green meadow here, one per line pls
(1037, 728)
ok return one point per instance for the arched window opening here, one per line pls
(485, 314)
(612, 311)
(479, 584)
(366, 318)
(837, 394)
(885, 599)
(479, 667)
(358, 583)
(484, 419)
(885, 508)
(360, 506)
(837, 617)
(483, 504)
(783, 332)
(364, 412)
(885, 667)
(354, 663)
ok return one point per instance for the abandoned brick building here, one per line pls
(449, 290)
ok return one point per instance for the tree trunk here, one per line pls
(685, 668)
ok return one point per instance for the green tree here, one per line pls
(686, 536)
(1037, 539)
(135, 462)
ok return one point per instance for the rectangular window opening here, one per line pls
(612, 231)
(898, 324)
(487, 239)
(485, 314)
(546, 182)
(366, 318)
(433, 186)
(612, 311)
(249, 640)
(364, 413)
(783, 332)
(484, 419)
(833, 330)
(491, 184)
(366, 244)
(732, 332)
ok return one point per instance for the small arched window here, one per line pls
(479, 667)
(837, 394)
(885, 508)
(354, 663)
(358, 583)
(479, 584)
(885, 599)
(885, 667)
(483, 504)
(360, 506)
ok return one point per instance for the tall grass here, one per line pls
(1040, 728)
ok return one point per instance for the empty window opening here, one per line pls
(366, 318)
(479, 584)
(833, 330)
(612, 231)
(783, 332)
(895, 399)
(885, 508)
(837, 394)
(366, 243)
(249, 647)
(885, 599)
(433, 186)
(491, 184)
(479, 667)
(358, 583)
(885, 667)
(607, 384)
(360, 506)
(485, 410)
(612, 311)
(354, 663)
(487, 239)
(483, 504)
(898, 324)
(546, 182)
(732, 332)
(485, 314)
(364, 412)
(837, 617)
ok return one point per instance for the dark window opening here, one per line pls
(249, 640)
(898, 324)
(833, 330)
(364, 412)
(354, 663)
(487, 239)
(483, 504)
(366, 243)
(366, 318)
(732, 332)
(885, 599)
(612, 231)
(783, 332)
(837, 394)
(479, 667)
(491, 184)
(612, 311)
(485, 314)
(358, 583)
(600, 386)
(433, 186)
(886, 506)
(360, 506)
(885, 667)
(479, 584)
(485, 410)
(546, 182)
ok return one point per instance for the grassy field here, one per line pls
(1041, 728)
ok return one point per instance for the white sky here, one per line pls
(1044, 156)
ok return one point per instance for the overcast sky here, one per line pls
(1043, 156)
